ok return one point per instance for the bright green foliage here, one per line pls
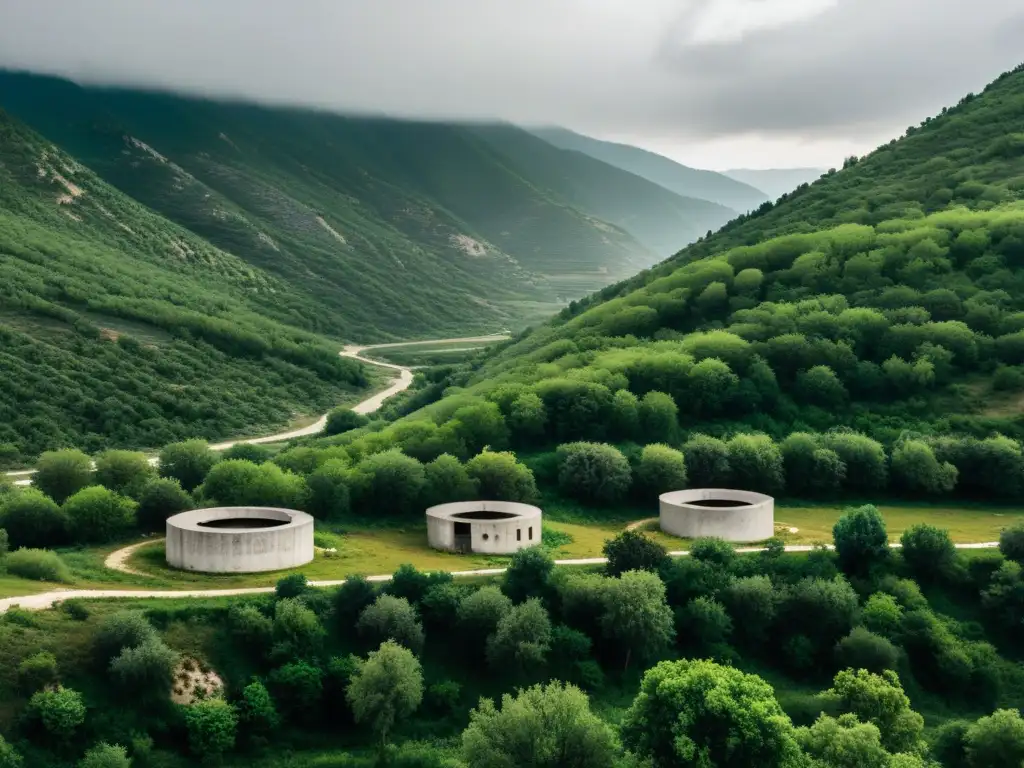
(387, 688)
(928, 551)
(593, 472)
(236, 483)
(707, 462)
(256, 708)
(257, 454)
(548, 726)
(880, 700)
(328, 490)
(661, 469)
(527, 416)
(188, 462)
(844, 742)
(446, 480)
(501, 477)
(863, 649)
(161, 498)
(755, 463)
(391, 618)
(480, 426)
(60, 474)
(521, 638)
(60, 710)
(527, 574)
(658, 416)
(341, 420)
(860, 539)
(636, 615)
(124, 472)
(388, 482)
(211, 726)
(700, 713)
(996, 741)
(106, 756)
(915, 468)
(37, 564)
(1011, 542)
(9, 757)
(633, 551)
(98, 515)
(38, 671)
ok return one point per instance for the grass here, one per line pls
(427, 354)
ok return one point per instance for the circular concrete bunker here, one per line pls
(239, 539)
(485, 527)
(740, 516)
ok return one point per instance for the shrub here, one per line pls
(124, 472)
(329, 496)
(862, 649)
(32, 519)
(501, 477)
(159, 499)
(479, 613)
(528, 574)
(60, 474)
(146, 670)
(257, 454)
(659, 416)
(860, 539)
(297, 630)
(1011, 542)
(522, 637)
(882, 614)
(703, 623)
(105, 755)
(38, 671)
(928, 551)
(391, 618)
(256, 708)
(633, 551)
(99, 515)
(211, 725)
(342, 419)
(242, 483)
(412, 584)
(351, 598)
(9, 757)
(124, 629)
(61, 711)
(187, 462)
(443, 698)
(38, 565)
(292, 585)
(447, 480)
(713, 551)
(298, 687)
(756, 463)
(593, 472)
(661, 469)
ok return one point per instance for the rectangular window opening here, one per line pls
(530, 531)
(519, 534)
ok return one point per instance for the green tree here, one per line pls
(996, 741)
(593, 472)
(298, 687)
(527, 416)
(97, 515)
(124, 472)
(880, 700)
(712, 386)
(388, 481)
(351, 598)
(700, 713)
(386, 689)
(297, 630)
(499, 476)
(636, 615)
(145, 671)
(658, 416)
(187, 462)
(328, 490)
(843, 742)
(33, 520)
(124, 629)
(447, 480)
(61, 474)
(625, 415)
(704, 624)
(633, 551)
(863, 649)
(391, 618)
(479, 613)
(860, 539)
(343, 419)
(257, 454)
(928, 551)
(61, 711)
(38, 671)
(9, 757)
(528, 574)
(235, 483)
(707, 462)
(105, 755)
(752, 603)
(915, 468)
(256, 710)
(756, 463)
(864, 458)
(1011, 542)
(882, 614)
(548, 726)
(212, 725)
(820, 386)
(809, 467)
(522, 637)
(161, 498)
(480, 426)
(661, 469)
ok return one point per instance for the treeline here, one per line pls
(372, 664)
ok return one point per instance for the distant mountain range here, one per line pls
(775, 181)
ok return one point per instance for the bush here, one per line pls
(38, 565)
(211, 725)
(412, 584)
(1011, 542)
(124, 472)
(342, 419)
(161, 498)
(61, 711)
(9, 757)
(593, 472)
(241, 483)
(447, 480)
(860, 539)
(187, 462)
(862, 649)
(391, 618)
(329, 497)
(386, 482)
(713, 551)
(297, 687)
(703, 623)
(124, 629)
(60, 474)
(250, 627)
(145, 671)
(528, 574)
(928, 551)
(292, 585)
(351, 598)
(500, 477)
(256, 709)
(105, 755)
(633, 551)
(522, 637)
(33, 519)
(99, 515)
(38, 671)
(479, 613)
(257, 454)
(661, 469)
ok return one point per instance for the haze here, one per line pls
(712, 83)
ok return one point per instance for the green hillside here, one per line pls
(658, 218)
(775, 181)
(393, 227)
(119, 327)
(685, 181)
(887, 296)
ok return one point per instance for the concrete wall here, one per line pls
(491, 537)
(752, 522)
(192, 547)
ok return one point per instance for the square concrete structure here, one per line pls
(738, 516)
(483, 527)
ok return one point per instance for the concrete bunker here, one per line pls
(739, 516)
(239, 539)
(485, 527)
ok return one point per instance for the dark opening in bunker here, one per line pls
(483, 514)
(243, 522)
(719, 503)
(463, 537)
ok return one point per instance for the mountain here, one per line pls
(688, 182)
(658, 218)
(396, 227)
(887, 296)
(775, 182)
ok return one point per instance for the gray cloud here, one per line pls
(842, 69)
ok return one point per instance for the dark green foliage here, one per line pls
(341, 420)
(712, 551)
(38, 565)
(949, 744)
(704, 625)
(527, 574)
(125, 629)
(386, 688)
(636, 615)
(387, 483)
(211, 725)
(862, 649)
(351, 598)
(413, 585)
(297, 630)
(928, 552)
(328, 490)
(257, 454)
(292, 585)
(479, 613)
(161, 498)
(633, 551)
(522, 637)
(391, 618)
(9, 757)
(145, 671)
(38, 671)
(996, 740)
(97, 515)
(256, 710)
(860, 539)
(707, 462)
(446, 480)
(60, 474)
(251, 629)
(187, 462)
(1011, 542)
(297, 687)
(593, 472)
(752, 603)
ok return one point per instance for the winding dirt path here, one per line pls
(369, 405)
(48, 599)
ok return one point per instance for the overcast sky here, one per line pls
(712, 83)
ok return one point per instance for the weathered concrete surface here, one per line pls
(486, 537)
(755, 521)
(194, 547)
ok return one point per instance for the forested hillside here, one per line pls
(775, 182)
(689, 182)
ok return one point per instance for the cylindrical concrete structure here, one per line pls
(483, 527)
(740, 516)
(239, 539)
